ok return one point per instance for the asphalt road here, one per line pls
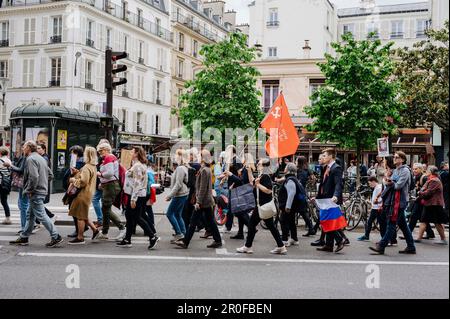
(106, 271)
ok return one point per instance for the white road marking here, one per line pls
(8, 238)
(234, 259)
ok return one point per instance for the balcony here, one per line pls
(273, 23)
(54, 83)
(124, 94)
(90, 43)
(4, 43)
(421, 34)
(56, 39)
(114, 10)
(141, 60)
(158, 101)
(189, 23)
(397, 35)
(181, 49)
(89, 86)
(139, 128)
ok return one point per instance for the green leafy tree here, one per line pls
(224, 94)
(423, 74)
(358, 96)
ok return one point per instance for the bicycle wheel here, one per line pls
(355, 215)
(220, 216)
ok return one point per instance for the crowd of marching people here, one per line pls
(249, 187)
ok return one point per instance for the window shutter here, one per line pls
(152, 124)
(116, 40)
(131, 84)
(154, 91)
(144, 123)
(162, 93)
(98, 40)
(98, 77)
(11, 32)
(80, 105)
(43, 72)
(11, 73)
(158, 58)
(134, 123)
(63, 70)
(24, 73)
(82, 71)
(26, 34)
(44, 30)
(102, 37)
(33, 31)
(65, 29)
(83, 30)
(145, 54)
(31, 72)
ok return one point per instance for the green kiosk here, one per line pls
(59, 128)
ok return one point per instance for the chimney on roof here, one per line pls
(306, 50)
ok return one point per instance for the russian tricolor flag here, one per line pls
(331, 217)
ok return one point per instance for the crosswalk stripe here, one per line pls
(8, 238)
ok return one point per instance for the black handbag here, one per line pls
(242, 199)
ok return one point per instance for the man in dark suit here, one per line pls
(331, 187)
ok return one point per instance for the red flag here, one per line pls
(283, 139)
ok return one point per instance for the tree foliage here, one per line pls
(358, 96)
(423, 74)
(224, 94)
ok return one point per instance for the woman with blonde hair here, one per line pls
(84, 180)
(178, 194)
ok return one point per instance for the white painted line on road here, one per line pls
(8, 238)
(222, 259)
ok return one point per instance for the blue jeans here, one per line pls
(97, 205)
(391, 229)
(23, 204)
(36, 210)
(174, 214)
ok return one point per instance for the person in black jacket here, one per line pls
(331, 187)
(303, 176)
(42, 150)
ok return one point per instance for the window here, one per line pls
(141, 52)
(4, 34)
(108, 38)
(157, 124)
(180, 72)
(89, 35)
(273, 52)
(3, 69)
(396, 29)
(57, 26)
(30, 31)
(158, 92)
(87, 107)
(372, 27)
(195, 48)
(273, 17)
(349, 28)
(124, 10)
(422, 26)
(180, 93)
(56, 72)
(88, 75)
(158, 26)
(125, 43)
(54, 103)
(124, 119)
(314, 85)
(28, 72)
(140, 20)
(181, 42)
(139, 122)
(270, 91)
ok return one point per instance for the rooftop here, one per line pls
(386, 9)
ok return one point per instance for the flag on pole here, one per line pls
(284, 138)
(331, 217)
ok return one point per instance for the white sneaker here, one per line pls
(176, 238)
(6, 221)
(441, 242)
(121, 235)
(293, 242)
(102, 236)
(244, 250)
(287, 243)
(279, 251)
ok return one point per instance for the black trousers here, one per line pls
(4, 201)
(288, 226)
(305, 215)
(334, 236)
(415, 217)
(150, 217)
(206, 214)
(254, 221)
(135, 216)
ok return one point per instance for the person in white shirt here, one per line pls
(377, 205)
(5, 183)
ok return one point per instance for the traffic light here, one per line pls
(111, 68)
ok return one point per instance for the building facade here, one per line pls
(195, 23)
(298, 21)
(53, 52)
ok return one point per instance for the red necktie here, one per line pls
(327, 172)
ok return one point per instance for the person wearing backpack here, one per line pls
(109, 175)
(5, 183)
(290, 202)
(178, 195)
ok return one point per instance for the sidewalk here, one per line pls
(61, 211)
